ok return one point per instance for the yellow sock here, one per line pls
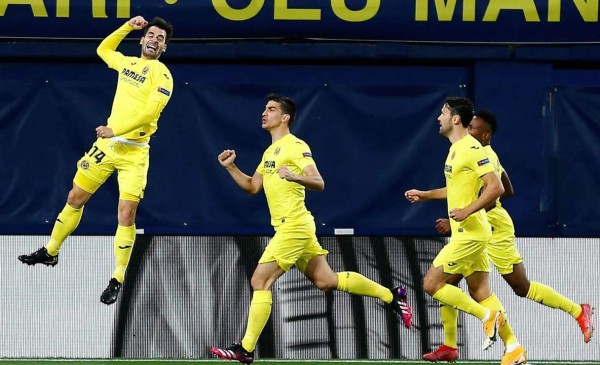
(456, 298)
(506, 332)
(449, 318)
(66, 222)
(354, 283)
(123, 244)
(260, 310)
(547, 296)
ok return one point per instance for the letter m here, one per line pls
(445, 10)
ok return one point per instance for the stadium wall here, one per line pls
(184, 294)
(369, 90)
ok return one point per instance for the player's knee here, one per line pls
(455, 280)
(520, 289)
(127, 215)
(259, 282)
(325, 285)
(430, 286)
(481, 294)
(126, 219)
(77, 198)
(256, 285)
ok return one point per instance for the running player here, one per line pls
(504, 255)
(466, 168)
(143, 90)
(287, 169)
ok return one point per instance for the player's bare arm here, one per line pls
(492, 191)
(415, 196)
(508, 191)
(251, 185)
(508, 188)
(311, 179)
(492, 205)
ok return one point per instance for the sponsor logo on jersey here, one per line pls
(269, 164)
(164, 91)
(133, 75)
(277, 150)
(145, 70)
(483, 162)
(306, 154)
(447, 168)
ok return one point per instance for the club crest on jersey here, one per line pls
(306, 154)
(84, 165)
(483, 162)
(277, 150)
(164, 91)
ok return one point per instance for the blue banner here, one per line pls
(496, 21)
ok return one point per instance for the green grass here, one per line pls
(257, 362)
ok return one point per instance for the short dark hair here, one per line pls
(161, 24)
(461, 106)
(288, 105)
(487, 117)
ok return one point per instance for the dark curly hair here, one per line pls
(161, 24)
(288, 105)
(461, 106)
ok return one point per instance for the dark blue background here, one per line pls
(372, 129)
(394, 21)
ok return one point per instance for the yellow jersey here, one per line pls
(285, 198)
(498, 217)
(467, 161)
(143, 89)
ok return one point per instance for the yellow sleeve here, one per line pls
(261, 166)
(303, 156)
(479, 162)
(162, 86)
(500, 168)
(107, 48)
(150, 113)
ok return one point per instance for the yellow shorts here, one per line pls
(107, 156)
(503, 252)
(293, 244)
(463, 257)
